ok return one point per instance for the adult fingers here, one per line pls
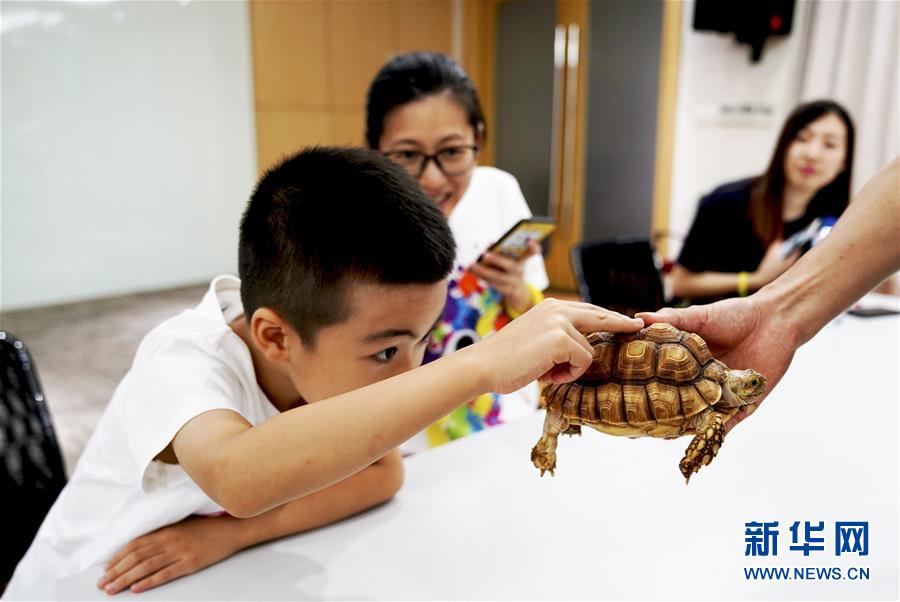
(534, 248)
(501, 262)
(742, 414)
(502, 281)
(486, 272)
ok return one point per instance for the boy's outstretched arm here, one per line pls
(251, 470)
(200, 541)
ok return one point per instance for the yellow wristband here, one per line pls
(536, 297)
(743, 284)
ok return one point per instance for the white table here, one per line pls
(474, 521)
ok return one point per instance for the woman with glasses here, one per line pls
(422, 111)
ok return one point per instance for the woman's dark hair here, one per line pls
(417, 75)
(767, 195)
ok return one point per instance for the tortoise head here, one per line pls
(742, 387)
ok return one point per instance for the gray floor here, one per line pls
(82, 350)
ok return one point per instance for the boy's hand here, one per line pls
(169, 553)
(546, 343)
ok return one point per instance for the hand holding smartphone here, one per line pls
(514, 243)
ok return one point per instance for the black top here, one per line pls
(722, 237)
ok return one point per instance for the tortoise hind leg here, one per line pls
(705, 445)
(574, 429)
(543, 455)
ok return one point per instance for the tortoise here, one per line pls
(656, 382)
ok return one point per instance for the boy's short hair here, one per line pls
(326, 218)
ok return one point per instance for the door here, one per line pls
(584, 111)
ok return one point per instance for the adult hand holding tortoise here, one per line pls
(764, 330)
(740, 333)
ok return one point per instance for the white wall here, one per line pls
(854, 58)
(128, 146)
(711, 147)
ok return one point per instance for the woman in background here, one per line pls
(733, 247)
(422, 111)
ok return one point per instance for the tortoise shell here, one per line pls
(652, 382)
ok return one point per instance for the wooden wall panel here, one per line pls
(665, 122)
(313, 61)
(359, 43)
(289, 43)
(349, 126)
(479, 58)
(281, 133)
(424, 26)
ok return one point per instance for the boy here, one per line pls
(343, 263)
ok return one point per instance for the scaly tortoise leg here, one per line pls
(543, 455)
(705, 445)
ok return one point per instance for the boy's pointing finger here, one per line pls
(591, 318)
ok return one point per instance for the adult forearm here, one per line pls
(862, 249)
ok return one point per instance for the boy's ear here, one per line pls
(270, 332)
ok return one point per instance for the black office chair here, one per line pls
(622, 275)
(31, 467)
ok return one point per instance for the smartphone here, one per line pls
(800, 239)
(514, 244)
(872, 312)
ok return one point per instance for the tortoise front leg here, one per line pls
(543, 455)
(705, 445)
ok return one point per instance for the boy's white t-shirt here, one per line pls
(186, 366)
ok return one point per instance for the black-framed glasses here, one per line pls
(452, 160)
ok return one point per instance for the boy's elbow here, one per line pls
(239, 504)
(396, 480)
(392, 475)
(237, 497)
(242, 508)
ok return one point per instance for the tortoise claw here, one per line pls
(543, 455)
